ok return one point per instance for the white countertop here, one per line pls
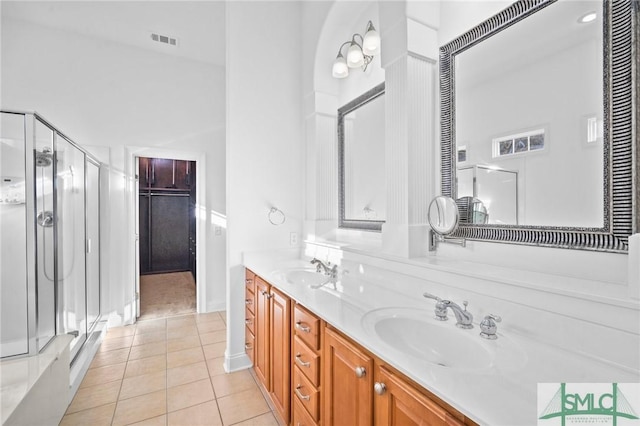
(503, 394)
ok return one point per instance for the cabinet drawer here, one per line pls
(306, 394)
(250, 300)
(300, 415)
(307, 361)
(249, 343)
(249, 320)
(307, 326)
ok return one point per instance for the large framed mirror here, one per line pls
(537, 125)
(361, 166)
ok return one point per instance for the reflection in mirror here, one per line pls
(362, 198)
(472, 210)
(495, 189)
(540, 83)
(537, 125)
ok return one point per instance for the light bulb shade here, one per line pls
(371, 42)
(340, 68)
(355, 57)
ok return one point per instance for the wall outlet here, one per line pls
(293, 239)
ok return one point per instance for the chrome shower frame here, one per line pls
(34, 321)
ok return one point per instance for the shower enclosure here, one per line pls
(50, 236)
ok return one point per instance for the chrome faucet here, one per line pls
(464, 318)
(331, 272)
(320, 267)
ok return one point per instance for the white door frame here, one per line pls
(201, 214)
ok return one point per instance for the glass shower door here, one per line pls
(14, 332)
(93, 242)
(70, 196)
(43, 160)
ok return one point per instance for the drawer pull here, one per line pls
(248, 301)
(300, 394)
(248, 281)
(301, 362)
(266, 294)
(380, 388)
(248, 321)
(360, 372)
(301, 327)
(248, 346)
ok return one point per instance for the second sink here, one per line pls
(416, 334)
(303, 276)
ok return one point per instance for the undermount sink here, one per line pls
(303, 276)
(415, 333)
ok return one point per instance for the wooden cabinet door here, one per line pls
(347, 390)
(262, 336)
(401, 404)
(144, 172)
(162, 173)
(280, 306)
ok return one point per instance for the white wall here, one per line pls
(264, 142)
(105, 94)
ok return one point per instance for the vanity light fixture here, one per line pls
(587, 17)
(359, 54)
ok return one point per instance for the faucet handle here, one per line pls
(441, 307)
(489, 327)
(432, 296)
(465, 303)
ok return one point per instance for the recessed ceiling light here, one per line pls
(588, 17)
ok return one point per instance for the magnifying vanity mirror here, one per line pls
(362, 198)
(443, 215)
(537, 126)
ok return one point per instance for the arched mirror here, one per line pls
(537, 125)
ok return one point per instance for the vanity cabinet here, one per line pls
(360, 389)
(249, 315)
(261, 362)
(306, 365)
(398, 402)
(280, 329)
(348, 382)
(271, 324)
(315, 375)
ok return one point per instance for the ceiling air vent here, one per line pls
(172, 41)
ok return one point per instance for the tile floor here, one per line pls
(167, 372)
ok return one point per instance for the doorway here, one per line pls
(167, 237)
